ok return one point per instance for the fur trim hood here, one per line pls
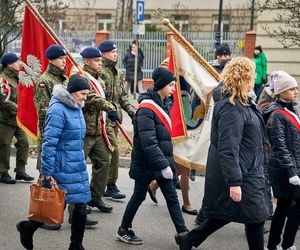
(60, 94)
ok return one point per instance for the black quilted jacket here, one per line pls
(152, 145)
(284, 159)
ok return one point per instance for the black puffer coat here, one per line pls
(128, 62)
(235, 158)
(284, 159)
(152, 146)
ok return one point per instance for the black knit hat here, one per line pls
(223, 49)
(258, 48)
(77, 83)
(162, 77)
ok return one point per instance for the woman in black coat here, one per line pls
(152, 154)
(128, 62)
(234, 182)
(283, 131)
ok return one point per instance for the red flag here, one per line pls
(35, 41)
(178, 125)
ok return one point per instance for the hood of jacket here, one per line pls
(277, 104)
(60, 94)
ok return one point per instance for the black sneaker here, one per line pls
(24, 177)
(6, 178)
(113, 192)
(128, 236)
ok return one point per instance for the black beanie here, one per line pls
(77, 83)
(258, 48)
(223, 49)
(162, 77)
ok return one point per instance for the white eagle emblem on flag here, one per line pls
(32, 71)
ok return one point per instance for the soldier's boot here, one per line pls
(26, 230)
(23, 176)
(6, 178)
(77, 227)
(113, 192)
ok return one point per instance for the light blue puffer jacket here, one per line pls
(62, 150)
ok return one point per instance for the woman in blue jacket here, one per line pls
(63, 157)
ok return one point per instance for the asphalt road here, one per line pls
(152, 222)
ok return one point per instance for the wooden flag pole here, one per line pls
(167, 23)
(58, 41)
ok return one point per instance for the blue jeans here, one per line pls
(139, 194)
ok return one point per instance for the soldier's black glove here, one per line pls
(113, 116)
(132, 116)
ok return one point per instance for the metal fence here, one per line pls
(153, 45)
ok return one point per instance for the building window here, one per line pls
(181, 22)
(224, 23)
(104, 22)
(147, 18)
(60, 24)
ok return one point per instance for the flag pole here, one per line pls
(57, 40)
(167, 23)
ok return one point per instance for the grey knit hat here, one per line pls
(281, 81)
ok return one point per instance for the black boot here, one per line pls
(27, 229)
(77, 227)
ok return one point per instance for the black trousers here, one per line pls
(255, 233)
(286, 209)
(139, 194)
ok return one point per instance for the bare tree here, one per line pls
(51, 10)
(83, 20)
(124, 15)
(288, 19)
(10, 25)
(238, 16)
(120, 15)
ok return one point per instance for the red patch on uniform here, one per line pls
(41, 85)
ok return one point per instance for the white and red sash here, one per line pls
(6, 88)
(162, 115)
(97, 87)
(291, 116)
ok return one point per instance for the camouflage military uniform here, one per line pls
(116, 94)
(42, 95)
(9, 127)
(94, 143)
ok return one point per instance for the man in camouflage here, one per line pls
(8, 123)
(95, 145)
(115, 93)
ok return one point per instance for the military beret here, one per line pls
(9, 58)
(77, 83)
(55, 51)
(162, 77)
(90, 52)
(106, 46)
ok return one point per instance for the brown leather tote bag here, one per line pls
(47, 205)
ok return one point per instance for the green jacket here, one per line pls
(43, 93)
(261, 67)
(115, 91)
(94, 105)
(8, 109)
